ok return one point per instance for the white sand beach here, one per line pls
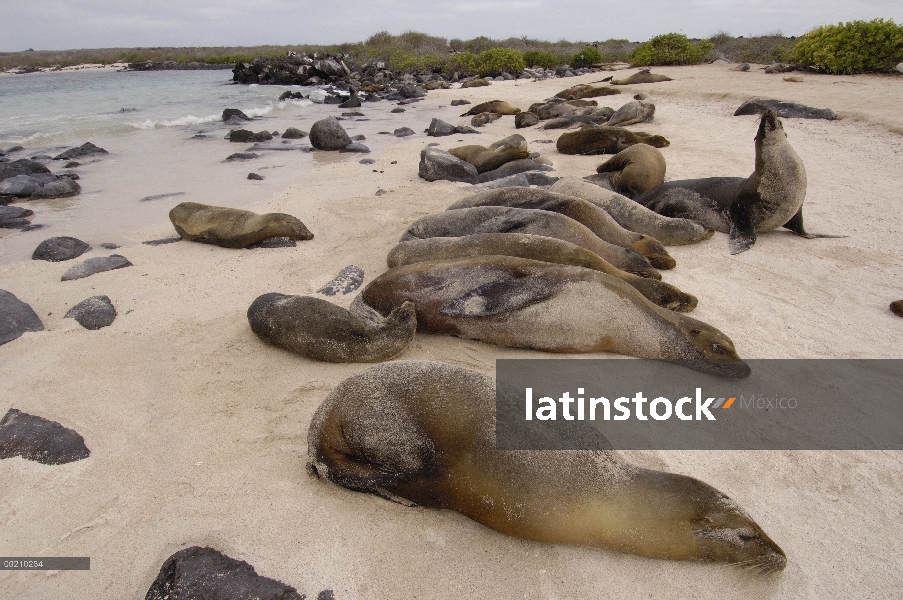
(198, 429)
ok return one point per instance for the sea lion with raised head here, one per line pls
(635, 170)
(605, 140)
(633, 216)
(597, 220)
(523, 303)
(504, 219)
(233, 227)
(771, 197)
(424, 433)
(499, 107)
(535, 247)
(318, 329)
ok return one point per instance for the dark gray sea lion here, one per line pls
(597, 220)
(503, 219)
(232, 227)
(771, 197)
(605, 140)
(424, 433)
(522, 303)
(632, 216)
(635, 111)
(535, 247)
(525, 119)
(635, 170)
(643, 76)
(323, 331)
(513, 147)
(586, 91)
(784, 109)
(353, 100)
(499, 107)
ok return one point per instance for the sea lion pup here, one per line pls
(522, 303)
(643, 76)
(597, 220)
(771, 197)
(635, 170)
(499, 107)
(484, 119)
(232, 227)
(632, 216)
(323, 331)
(505, 150)
(423, 433)
(535, 247)
(605, 140)
(504, 219)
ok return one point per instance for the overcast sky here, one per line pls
(59, 25)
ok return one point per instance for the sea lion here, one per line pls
(561, 108)
(597, 220)
(635, 111)
(513, 147)
(585, 90)
(632, 216)
(525, 119)
(643, 76)
(423, 433)
(232, 227)
(475, 83)
(605, 140)
(535, 247)
(771, 197)
(484, 119)
(323, 331)
(596, 116)
(499, 107)
(634, 170)
(503, 219)
(522, 303)
(353, 100)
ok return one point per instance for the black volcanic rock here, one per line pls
(58, 249)
(95, 312)
(16, 317)
(86, 149)
(328, 134)
(348, 280)
(234, 112)
(197, 573)
(38, 439)
(244, 136)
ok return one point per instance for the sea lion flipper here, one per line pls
(743, 233)
(499, 296)
(795, 224)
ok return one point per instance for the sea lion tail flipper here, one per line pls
(500, 296)
(743, 233)
(795, 225)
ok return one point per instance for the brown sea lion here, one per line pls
(475, 83)
(525, 119)
(535, 247)
(522, 303)
(632, 216)
(499, 107)
(232, 227)
(643, 76)
(424, 433)
(318, 329)
(635, 170)
(484, 119)
(597, 220)
(605, 140)
(503, 219)
(586, 91)
(770, 198)
(513, 147)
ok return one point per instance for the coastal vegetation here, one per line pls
(845, 48)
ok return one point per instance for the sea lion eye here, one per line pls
(695, 331)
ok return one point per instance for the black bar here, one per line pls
(45, 563)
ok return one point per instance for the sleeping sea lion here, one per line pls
(522, 303)
(635, 111)
(498, 107)
(632, 216)
(503, 219)
(634, 170)
(605, 140)
(424, 433)
(597, 220)
(318, 329)
(771, 197)
(643, 76)
(232, 227)
(513, 147)
(535, 247)
(585, 90)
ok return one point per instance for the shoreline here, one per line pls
(198, 430)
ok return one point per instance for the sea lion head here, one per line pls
(710, 351)
(770, 127)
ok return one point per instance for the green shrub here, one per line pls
(587, 57)
(855, 47)
(671, 49)
(496, 61)
(546, 60)
(463, 62)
